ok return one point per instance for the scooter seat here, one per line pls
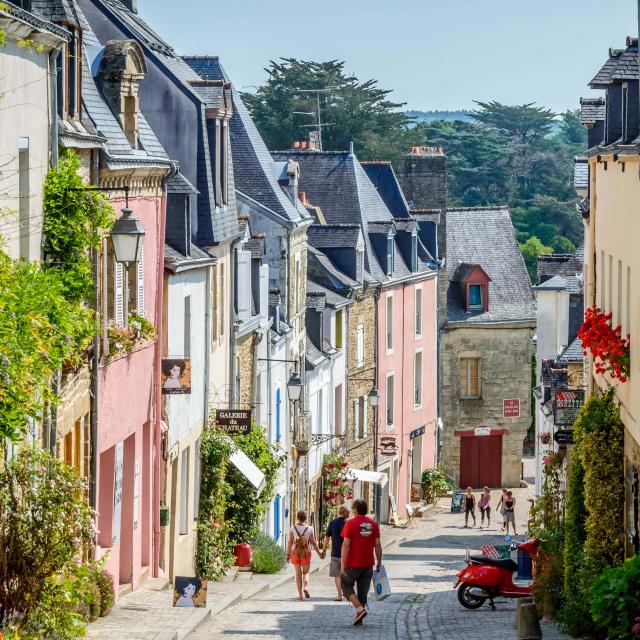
(507, 563)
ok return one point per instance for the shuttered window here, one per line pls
(356, 419)
(360, 346)
(244, 284)
(118, 293)
(140, 283)
(469, 378)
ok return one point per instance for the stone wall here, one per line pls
(245, 352)
(632, 465)
(360, 379)
(505, 373)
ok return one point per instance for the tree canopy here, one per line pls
(525, 122)
(284, 109)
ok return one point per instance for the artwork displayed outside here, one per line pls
(176, 377)
(189, 592)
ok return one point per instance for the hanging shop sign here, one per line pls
(563, 436)
(511, 408)
(416, 433)
(176, 376)
(234, 421)
(388, 445)
(567, 404)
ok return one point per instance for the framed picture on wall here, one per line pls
(189, 592)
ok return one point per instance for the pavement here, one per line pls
(421, 562)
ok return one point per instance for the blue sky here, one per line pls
(434, 54)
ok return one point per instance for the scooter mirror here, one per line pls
(507, 538)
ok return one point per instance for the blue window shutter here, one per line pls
(276, 518)
(278, 403)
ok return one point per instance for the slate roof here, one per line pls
(56, 11)
(177, 262)
(572, 353)
(580, 173)
(342, 278)
(218, 224)
(336, 182)
(334, 235)
(484, 236)
(37, 19)
(384, 180)
(560, 264)
(333, 299)
(592, 110)
(179, 184)
(255, 172)
(622, 65)
(571, 284)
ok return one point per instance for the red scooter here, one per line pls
(485, 578)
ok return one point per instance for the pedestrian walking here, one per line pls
(484, 504)
(469, 507)
(500, 507)
(302, 540)
(334, 536)
(361, 537)
(510, 512)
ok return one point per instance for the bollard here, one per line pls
(528, 623)
(519, 603)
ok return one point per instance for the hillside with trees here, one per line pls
(520, 155)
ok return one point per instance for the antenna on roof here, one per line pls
(318, 116)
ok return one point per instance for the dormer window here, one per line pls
(473, 283)
(390, 256)
(68, 75)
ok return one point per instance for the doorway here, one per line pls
(481, 461)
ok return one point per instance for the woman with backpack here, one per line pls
(302, 540)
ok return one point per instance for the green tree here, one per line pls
(355, 111)
(572, 131)
(525, 122)
(531, 249)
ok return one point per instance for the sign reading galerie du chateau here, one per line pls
(566, 406)
(237, 421)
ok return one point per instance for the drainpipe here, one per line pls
(233, 396)
(95, 361)
(53, 89)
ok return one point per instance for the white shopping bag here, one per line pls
(381, 586)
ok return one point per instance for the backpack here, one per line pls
(301, 548)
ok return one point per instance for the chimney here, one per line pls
(302, 196)
(132, 5)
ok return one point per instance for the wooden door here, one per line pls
(481, 461)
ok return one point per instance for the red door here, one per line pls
(481, 461)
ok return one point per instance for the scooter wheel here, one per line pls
(468, 600)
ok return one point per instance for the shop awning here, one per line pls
(249, 470)
(369, 476)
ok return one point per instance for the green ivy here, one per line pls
(40, 331)
(75, 222)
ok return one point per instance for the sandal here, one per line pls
(336, 599)
(306, 594)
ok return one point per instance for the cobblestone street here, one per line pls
(423, 605)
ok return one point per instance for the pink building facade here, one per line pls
(407, 382)
(129, 418)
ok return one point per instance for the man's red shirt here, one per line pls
(363, 533)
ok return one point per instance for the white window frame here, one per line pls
(390, 255)
(418, 390)
(475, 307)
(389, 323)
(356, 419)
(390, 405)
(418, 305)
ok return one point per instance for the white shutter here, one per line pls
(360, 346)
(356, 419)
(118, 293)
(243, 284)
(365, 425)
(140, 283)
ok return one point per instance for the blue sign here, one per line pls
(416, 432)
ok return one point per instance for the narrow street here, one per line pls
(423, 605)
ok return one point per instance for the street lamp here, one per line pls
(294, 387)
(127, 236)
(374, 397)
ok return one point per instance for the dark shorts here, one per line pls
(360, 578)
(334, 567)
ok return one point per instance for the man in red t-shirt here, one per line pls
(361, 536)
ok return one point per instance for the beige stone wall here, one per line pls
(505, 372)
(297, 294)
(246, 357)
(360, 379)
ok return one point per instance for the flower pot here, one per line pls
(244, 555)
